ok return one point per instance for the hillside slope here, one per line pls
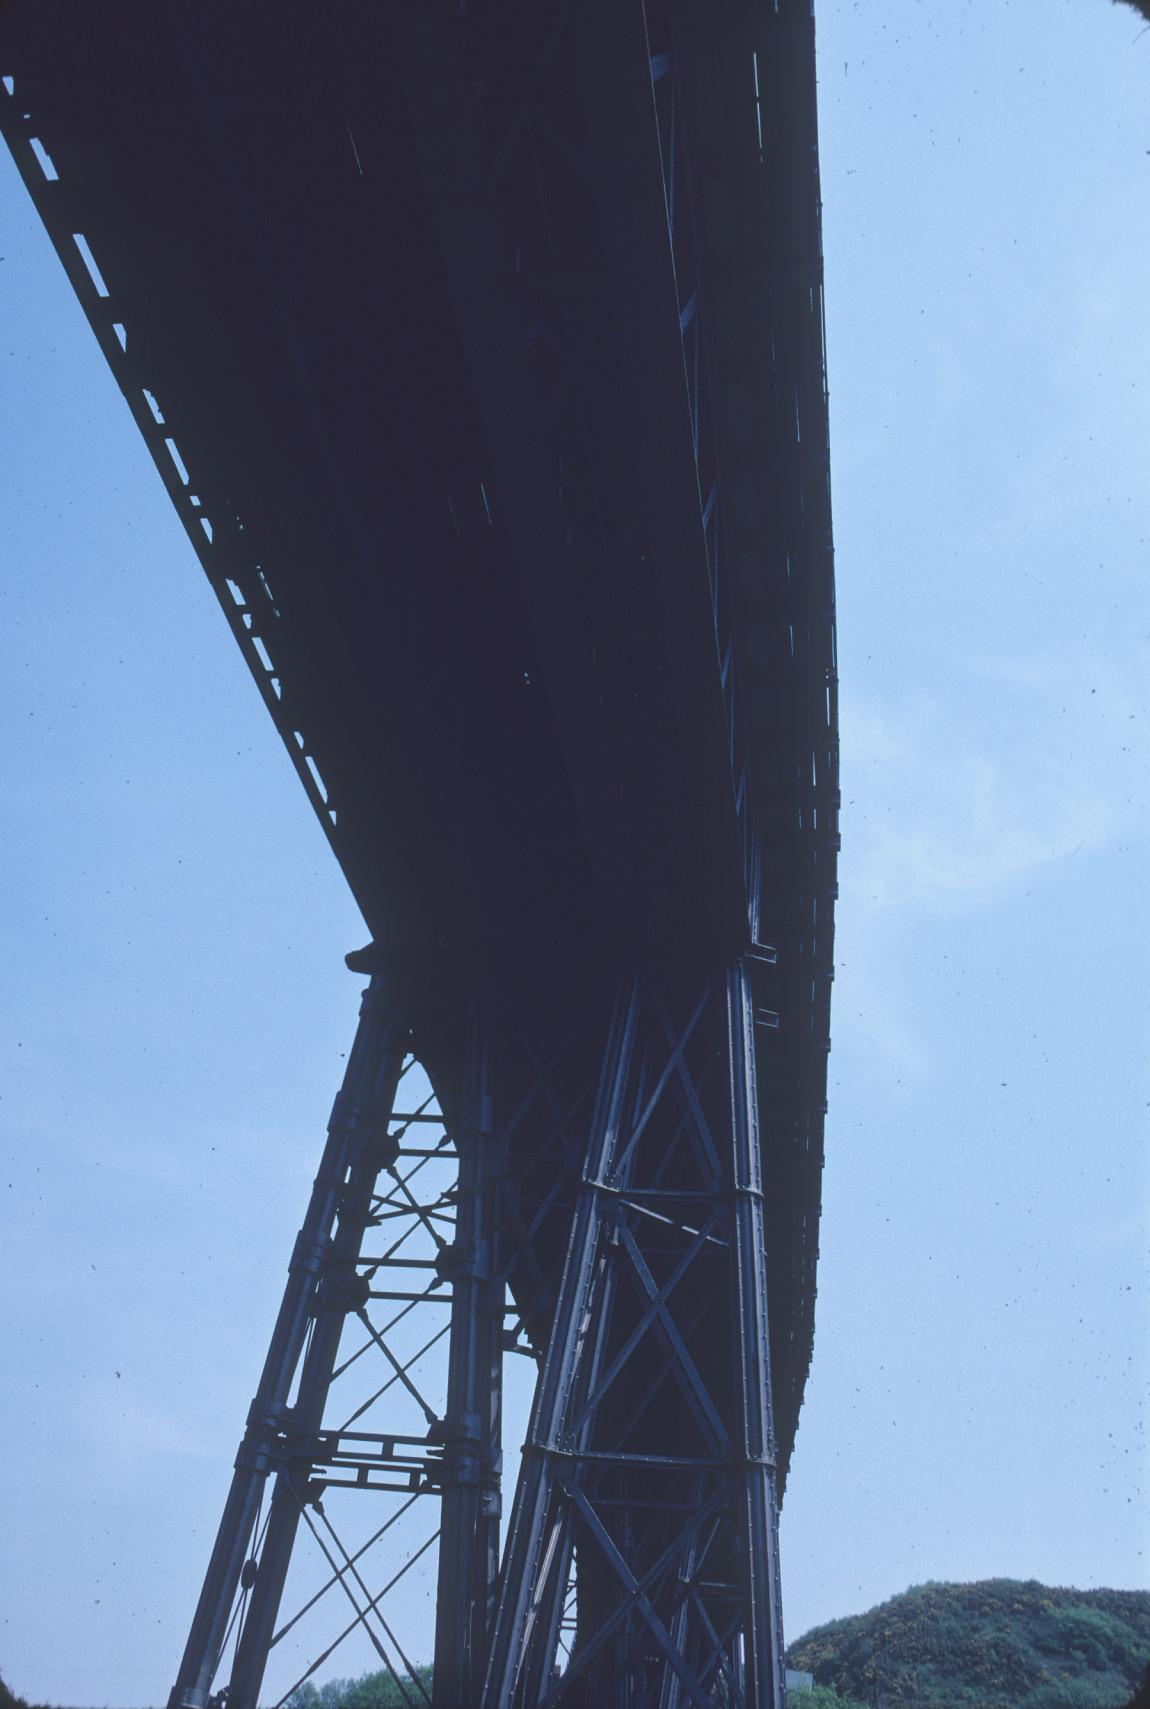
(1000, 1644)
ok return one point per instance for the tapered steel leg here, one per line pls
(318, 1277)
(765, 1675)
(649, 1465)
(646, 1498)
(469, 1536)
(538, 1543)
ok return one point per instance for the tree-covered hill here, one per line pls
(1000, 1644)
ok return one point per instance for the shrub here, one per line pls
(370, 1691)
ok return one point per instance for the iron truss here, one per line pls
(640, 1563)
(606, 262)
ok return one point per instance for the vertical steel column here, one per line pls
(538, 1540)
(651, 1446)
(471, 1430)
(764, 1671)
(356, 1148)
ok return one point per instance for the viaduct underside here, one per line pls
(479, 345)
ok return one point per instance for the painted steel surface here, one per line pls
(480, 349)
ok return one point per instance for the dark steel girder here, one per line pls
(488, 383)
(638, 1321)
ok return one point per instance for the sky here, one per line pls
(174, 1008)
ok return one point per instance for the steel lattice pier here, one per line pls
(480, 349)
(640, 1565)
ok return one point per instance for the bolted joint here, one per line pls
(479, 1130)
(461, 1471)
(309, 1254)
(262, 1448)
(464, 1427)
(344, 1289)
(461, 1466)
(752, 1462)
(269, 1418)
(367, 1124)
(383, 1153)
(258, 1453)
(454, 1263)
(457, 1427)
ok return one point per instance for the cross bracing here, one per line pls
(480, 350)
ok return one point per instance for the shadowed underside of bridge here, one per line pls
(480, 349)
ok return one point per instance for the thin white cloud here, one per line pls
(942, 824)
(992, 830)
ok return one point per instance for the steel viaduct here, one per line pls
(479, 345)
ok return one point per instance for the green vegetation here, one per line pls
(9, 1699)
(371, 1691)
(996, 1645)
(378, 1691)
(1000, 1644)
(822, 1697)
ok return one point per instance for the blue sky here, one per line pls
(175, 1008)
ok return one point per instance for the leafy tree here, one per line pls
(1141, 1698)
(997, 1644)
(822, 1697)
(370, 1691)
(9, 1699)
(1071, 1694)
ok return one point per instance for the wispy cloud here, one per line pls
(990, 830)
(947, 817)
(942, 822)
